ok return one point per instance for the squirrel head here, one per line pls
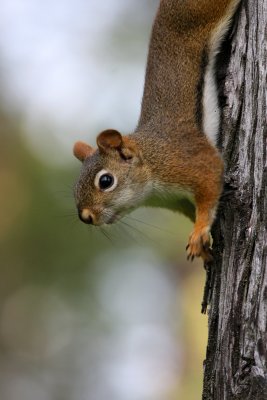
(114, 178)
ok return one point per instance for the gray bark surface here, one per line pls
(236, 360)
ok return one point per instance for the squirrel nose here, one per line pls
(86, 216)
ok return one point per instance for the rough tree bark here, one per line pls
(236, 360)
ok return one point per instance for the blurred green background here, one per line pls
(85, 314)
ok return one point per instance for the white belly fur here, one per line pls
(211, 110)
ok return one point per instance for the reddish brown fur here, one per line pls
(167, 125)
(174, 152)
(82, 150)
(180, 34)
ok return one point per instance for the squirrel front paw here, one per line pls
(199, 245)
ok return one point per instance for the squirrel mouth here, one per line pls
(114, 218)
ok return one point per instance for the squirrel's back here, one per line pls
(180, 85)
(172, 153)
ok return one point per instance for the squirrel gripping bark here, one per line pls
(171, 159)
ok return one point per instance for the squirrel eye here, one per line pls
(105, 181)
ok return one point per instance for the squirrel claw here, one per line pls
(199, 246)
(190, 257)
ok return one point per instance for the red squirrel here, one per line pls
(171, 159)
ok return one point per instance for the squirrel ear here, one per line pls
(109, 139)
(82, 150)
(129, 150)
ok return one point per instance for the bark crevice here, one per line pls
(236, 359)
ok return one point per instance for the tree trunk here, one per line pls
(236, 360)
